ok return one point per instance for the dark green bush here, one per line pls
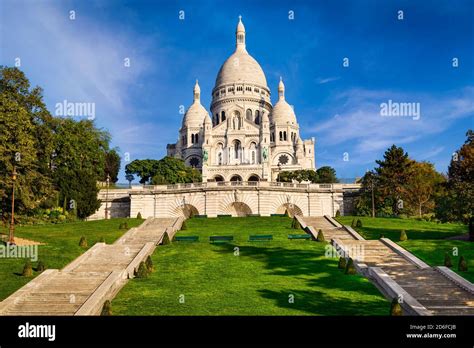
(403, 236)
(462, 267)
(350, 267)
(184, 226)
(395, 308)
(353, 223)
(142, 271)
(295, 224)
(338, 213)
(83, 242)
(166, 239)
(106, 309)
(149, 264)
(320, 237)
(358, 223)
(342, 263)
(27, 269)
(447, 260)
(139, 215)
(40, 266)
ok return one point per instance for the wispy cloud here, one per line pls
(324, 80)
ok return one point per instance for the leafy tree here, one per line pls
(393, 173)
(129, 178)
(171, 170)
(144, 169)
(421, 187)
(326, 175)
(456, 204)
(111, 166)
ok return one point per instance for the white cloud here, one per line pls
(324, 80)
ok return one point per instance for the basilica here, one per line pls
(245, 137)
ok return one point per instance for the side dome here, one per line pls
(282, 112)
(196, 114)
(241, 66)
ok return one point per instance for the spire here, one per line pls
(281, 90)
(240, 35)
(197, 92)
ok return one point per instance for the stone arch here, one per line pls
(235, 177)
(253, 177)
(238, 209)
(186, 210)
(292, 209)
(218, 177)
(276, 158)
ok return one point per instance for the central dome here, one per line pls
(240, 66)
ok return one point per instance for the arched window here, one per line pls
(222, 116)
(253, 153)
(281, 136)
(284, 136)
(217, 120)
(257, 117)
(192, 138)
(249, 115)
(237, 149)
(196, 138)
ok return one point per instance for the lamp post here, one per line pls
(107, 197)
(11, 237)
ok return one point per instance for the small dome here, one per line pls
(282, 112)
(196, 114)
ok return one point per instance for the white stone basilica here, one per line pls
(247, 139)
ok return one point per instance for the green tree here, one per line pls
(457, 204)
(326, 175)
(111, 165)
(423, 183)
(129, 178)
(144, 169)
(393, 174)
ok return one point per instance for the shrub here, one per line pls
(462, 267)
(353, 224)
(350, 268)
(396, 308)
(149, 264)
(295, 224)
(101, 240)
(447, 260)
(139, 215)
(320, 237)
(184, 226)
(83, 242)
(382, 236)
(40, 266)
(27, 270)
(358, 223)
(166, 239)
(342, 263)
(123, 226)
(403, 236)
(107, 308)
(338, 213)
(142, 271)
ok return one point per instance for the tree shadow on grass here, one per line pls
(413, 234)
(318, 272)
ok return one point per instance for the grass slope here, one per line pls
(62, 246)
(427, 240)
(260, 281)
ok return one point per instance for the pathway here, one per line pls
(82, 286)
(428, 286)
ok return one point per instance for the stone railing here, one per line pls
(259, 184)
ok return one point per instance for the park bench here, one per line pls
(224, 215)
(221, 239)
(186, 238)
(299, 236)
(260, 237)
(281, 215)
(202, 216)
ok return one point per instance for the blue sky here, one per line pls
(410, 60)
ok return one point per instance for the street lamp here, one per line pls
(11, 237)
(107, 197)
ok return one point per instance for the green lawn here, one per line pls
(427, 240)
(260, 281)
(61, 246)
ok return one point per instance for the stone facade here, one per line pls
(246, 138)
(228, 198)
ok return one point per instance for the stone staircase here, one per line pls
(438, 293)
(82, 287)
